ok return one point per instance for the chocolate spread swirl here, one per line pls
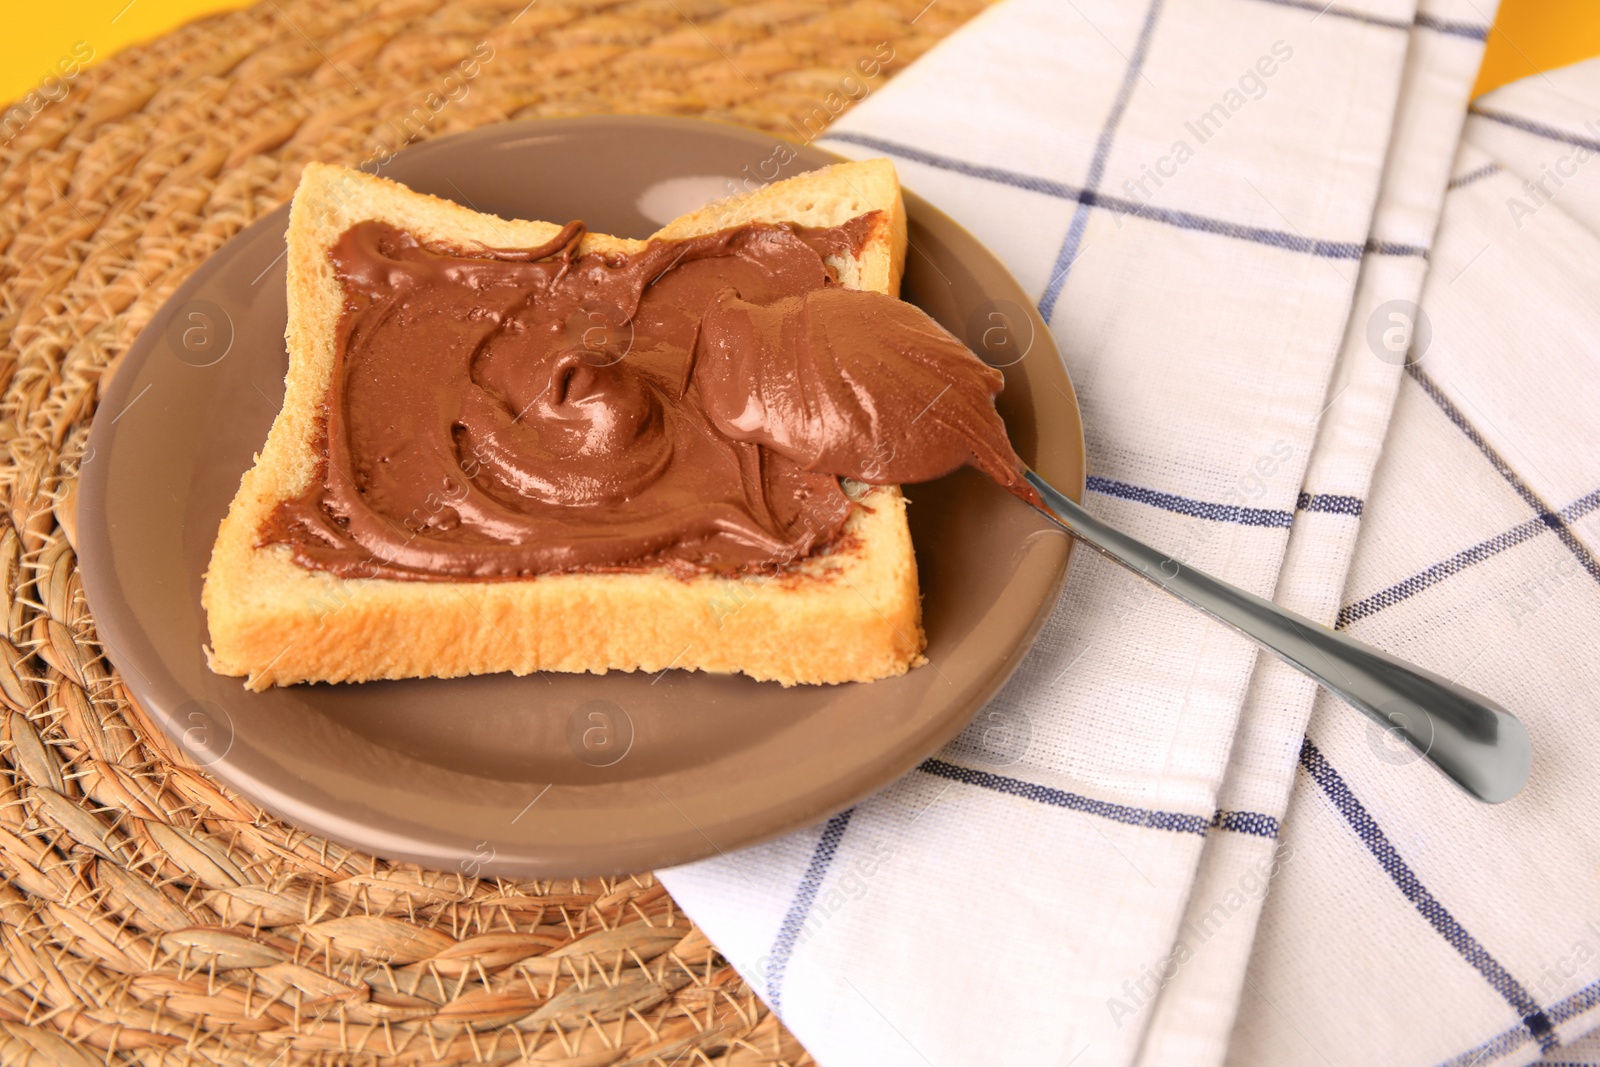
(502, 413)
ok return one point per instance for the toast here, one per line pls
(850, 614)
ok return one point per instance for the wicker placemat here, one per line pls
(147, 914)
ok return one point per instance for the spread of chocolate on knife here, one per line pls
(501, 413)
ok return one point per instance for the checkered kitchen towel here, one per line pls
(1412, 925)
(1227, 211)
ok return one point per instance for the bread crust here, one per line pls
(853, 614)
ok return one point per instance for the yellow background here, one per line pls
(1529, 35)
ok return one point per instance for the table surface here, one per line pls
(1529, 36)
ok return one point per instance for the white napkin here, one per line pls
(1188, 190)
(1414, 925)
(1196, 1006)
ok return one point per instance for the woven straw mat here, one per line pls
(147, 913)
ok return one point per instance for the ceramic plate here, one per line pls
(554, 775)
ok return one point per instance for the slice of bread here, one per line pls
(852, 614)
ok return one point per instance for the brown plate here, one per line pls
(553, 774)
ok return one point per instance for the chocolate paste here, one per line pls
(500, 413)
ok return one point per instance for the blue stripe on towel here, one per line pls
(1199, 509)
(1329, 504)
(827, 847)
(1404, 590)
(998, 175)
(1405, 879)
(794, 920)
(1469, 30)
(1583, 1001)
(1427, 22)
(1474, 175)
(1253, 823)
(1097, 165)
(1338, 11)
(1553, 519)
(1183, 220)
(1503, 1043)
(1179, 822)
(1393, 248)
(1538, 129)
